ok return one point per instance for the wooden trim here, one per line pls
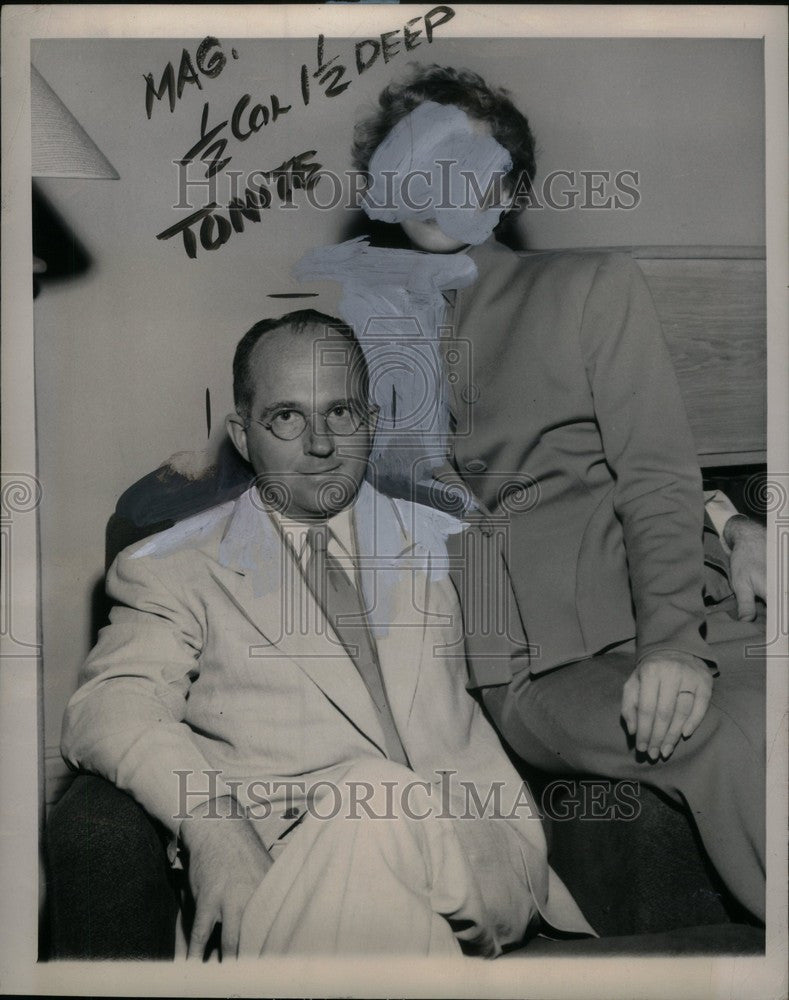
(668, 252)
(726, 458)
(711, 304)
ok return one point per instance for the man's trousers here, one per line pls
(390, 876)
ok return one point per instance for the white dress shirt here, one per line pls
(720, 509)
(341, 543)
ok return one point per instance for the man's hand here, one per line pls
(748, 543)
(664, 698)
(226, 864)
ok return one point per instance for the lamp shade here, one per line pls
(60, 146)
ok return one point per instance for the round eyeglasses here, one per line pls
(342, 419)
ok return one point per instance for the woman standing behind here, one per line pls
(577, 438)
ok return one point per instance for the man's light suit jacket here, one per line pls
(207, 666)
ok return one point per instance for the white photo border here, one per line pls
(20, 780)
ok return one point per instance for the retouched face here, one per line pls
(429, 136)
(425, 234)
(318, 473)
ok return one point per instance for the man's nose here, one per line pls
(318, 439)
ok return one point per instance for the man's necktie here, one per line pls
(341, 603)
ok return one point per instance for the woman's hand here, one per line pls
(665, 697)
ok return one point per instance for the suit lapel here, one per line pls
(259, 574)
(400, 650)
(394, 577)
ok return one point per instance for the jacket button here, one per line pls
(292, 813)
(476, 465)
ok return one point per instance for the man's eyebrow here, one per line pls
(285, 404)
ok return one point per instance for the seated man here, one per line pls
(276, 687)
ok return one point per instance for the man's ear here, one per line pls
(237, 432)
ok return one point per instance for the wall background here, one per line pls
(126, 350)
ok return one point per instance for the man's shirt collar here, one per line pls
(341, 543)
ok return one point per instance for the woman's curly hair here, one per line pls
(467, 91)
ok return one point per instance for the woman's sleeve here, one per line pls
(649, 447)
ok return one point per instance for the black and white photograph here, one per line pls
(395, 500)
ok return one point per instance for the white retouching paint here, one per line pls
(436, 164)
(393, 301)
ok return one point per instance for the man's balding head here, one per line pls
(302, 415)
(295, 323)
